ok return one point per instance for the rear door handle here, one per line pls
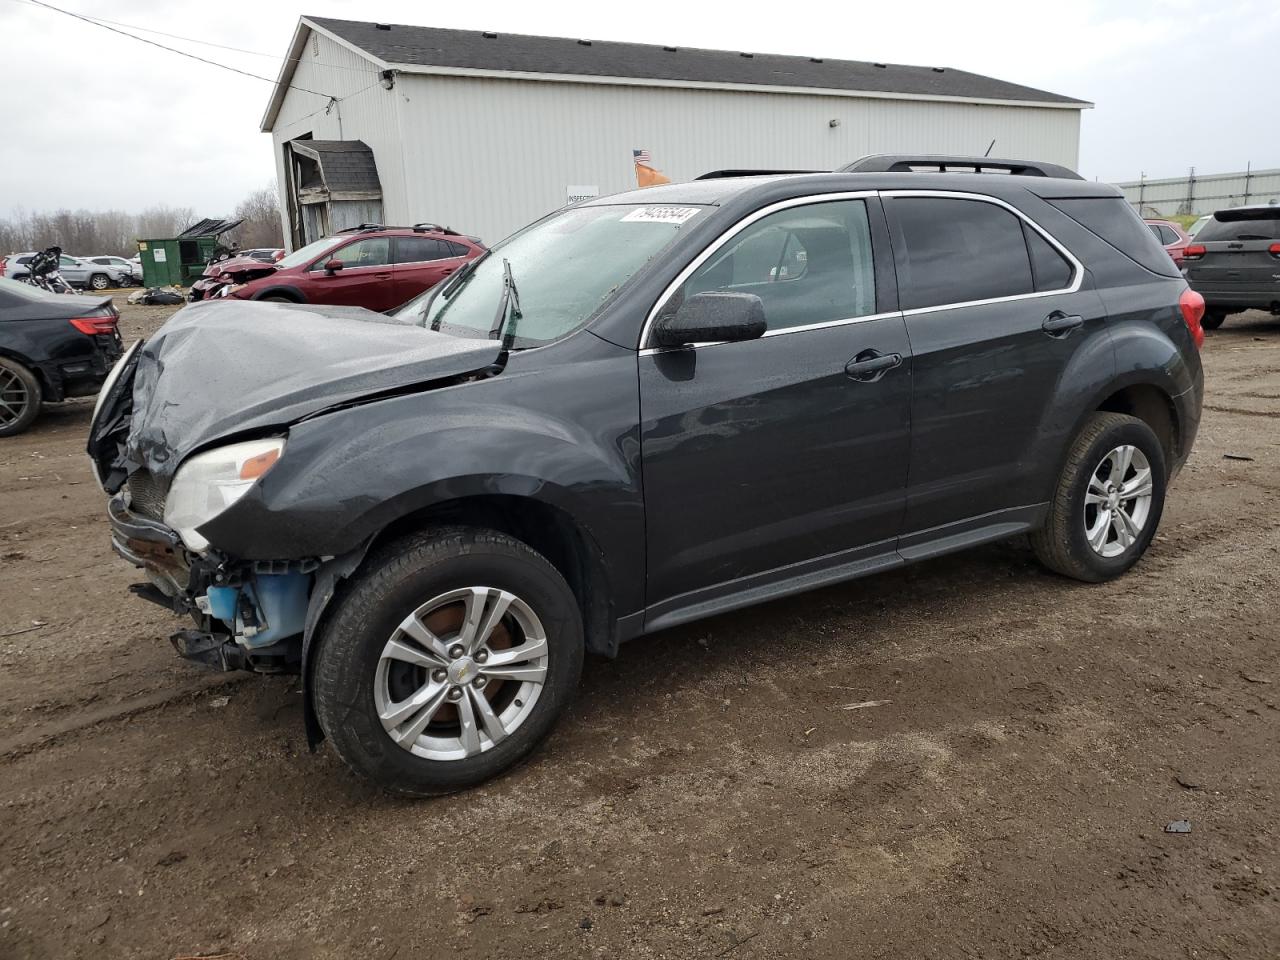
(1059, 324)
(870, 365)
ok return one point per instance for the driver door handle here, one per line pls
(1059, 324)
(871, 365)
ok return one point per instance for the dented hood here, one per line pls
(230, 367)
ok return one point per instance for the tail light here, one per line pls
(1274, 250)
(92, 325)
(4, 265)
(1194, 252)
(277, 256)
(1192, 306)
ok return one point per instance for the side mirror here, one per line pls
(712, 317)
(333, 266)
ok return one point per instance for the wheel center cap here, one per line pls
(463, 670)
(1114, 499)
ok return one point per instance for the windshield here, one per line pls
(565, 268)
(309, 252)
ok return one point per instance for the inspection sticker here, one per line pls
(676, 215)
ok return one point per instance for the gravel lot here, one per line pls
(711, 793)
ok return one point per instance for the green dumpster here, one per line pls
(180, 261)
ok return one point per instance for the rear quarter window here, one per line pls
(1112, 220)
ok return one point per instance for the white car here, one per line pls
(130, 271)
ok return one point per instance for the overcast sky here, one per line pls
(94, 119)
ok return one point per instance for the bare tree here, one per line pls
(260, 211)
(116, 232)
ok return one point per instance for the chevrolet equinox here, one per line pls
(637, 412)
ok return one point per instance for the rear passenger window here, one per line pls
(456, 249)
(420, 249)
(809, 265)
(1049, 269)
(956, 251)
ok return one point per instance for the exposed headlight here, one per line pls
(210, 482)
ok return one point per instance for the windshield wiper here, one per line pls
(450, 285)
(504, 321)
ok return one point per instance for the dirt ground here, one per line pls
(711, 793)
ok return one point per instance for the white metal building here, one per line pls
(486, 132)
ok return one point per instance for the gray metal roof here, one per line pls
(347, 166)
(510, 52)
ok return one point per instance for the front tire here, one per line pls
(99, 281)
(448, 658)
(1108, 501)
(1213, 319)
(20, 397)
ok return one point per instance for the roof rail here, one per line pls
(937, 163)
(434, 228)
(723, 174)
(363, 227)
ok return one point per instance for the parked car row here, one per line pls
(90, 273)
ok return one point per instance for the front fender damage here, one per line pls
(327, 580)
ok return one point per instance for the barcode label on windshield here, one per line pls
(676, 215)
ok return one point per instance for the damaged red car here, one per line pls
(370, 266)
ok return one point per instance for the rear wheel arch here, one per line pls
(1155, 407)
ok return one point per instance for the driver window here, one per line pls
(809, 264)
(373, 252)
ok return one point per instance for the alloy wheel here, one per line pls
(14, 397)
(1117, 504)
(461, 673)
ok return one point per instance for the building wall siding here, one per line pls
(369, 113)
(526, 142)
(487, 156)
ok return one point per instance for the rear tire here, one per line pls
(99, 281)
(20, 397)
(400, 716)
(278, 300)
(1104, 512)
(1213, 319)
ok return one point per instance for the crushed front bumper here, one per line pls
(248, 615)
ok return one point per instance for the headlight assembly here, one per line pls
(209, 482)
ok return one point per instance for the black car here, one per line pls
(52, 347)
(1234, 262)
(637, 412)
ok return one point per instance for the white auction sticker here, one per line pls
(676, 215)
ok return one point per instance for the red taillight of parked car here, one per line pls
(92, 325)
(1274, 250)
(1192, 306)
(1194, 252)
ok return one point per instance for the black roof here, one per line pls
(511, 52)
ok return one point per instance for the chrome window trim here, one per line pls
(728, 235)
(1077, 278)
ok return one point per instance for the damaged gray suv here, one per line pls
(637, 412)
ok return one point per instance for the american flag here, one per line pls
(641, 156)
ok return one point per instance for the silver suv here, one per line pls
(77, 272)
